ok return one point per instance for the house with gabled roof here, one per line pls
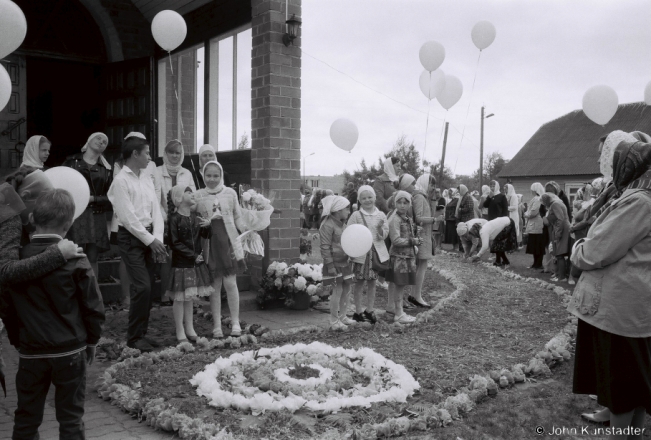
(566, 149)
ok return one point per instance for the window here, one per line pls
(571, 189)
(182, 94)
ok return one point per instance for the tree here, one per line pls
(408, 155)
(362, 176)
(493, 164)
(244, 142)
(449, 181)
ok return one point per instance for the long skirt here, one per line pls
(451, 236)
(221, 260)
(90, 228)
(506, 240)
(615, 368)
(536, 244)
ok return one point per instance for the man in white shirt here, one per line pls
(140, 234)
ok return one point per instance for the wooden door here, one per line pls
(13, 130)
(129, 99)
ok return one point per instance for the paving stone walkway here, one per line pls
(105, 421)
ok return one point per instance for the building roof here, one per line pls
(568, 145)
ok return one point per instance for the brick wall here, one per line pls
(276, 123)
(132, 27)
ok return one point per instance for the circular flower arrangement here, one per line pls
(263, 380)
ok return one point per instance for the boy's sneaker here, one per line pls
(370, 316)
(236, 330)
(153, 342)
(141, 345)
(346, 320)
(359, 317)
(404, 319)
(338, 326)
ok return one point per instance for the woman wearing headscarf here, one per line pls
(485, 193)
(536, 243)
(89, 229)
(558, 223)
(512, 198)
(36, 152)
(496, 202)
(498, 235)
(171, 173)
(465, 209)
(475, 202)
(580, 226)
(451, 236)
(384, 184)
(420, 195)
(447, 196)
(522, 208)
(611, 299)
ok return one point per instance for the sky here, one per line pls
(546, 54)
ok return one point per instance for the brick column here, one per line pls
(275, 125)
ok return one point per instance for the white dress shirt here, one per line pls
(163, 184)
(491, 230)
(135, 204)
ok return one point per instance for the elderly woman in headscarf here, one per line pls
(451, 236)
(496, 202)
(36, 152)
(558, 223)
(499, 236)
(512, 198)
(171, 173)
(612, 297)
(536, 242)
(384, 184)
(89, 229)
(485, 193)
(469, 234)
(376, 222)
(465, 209)
(420, 196)
(554, 188)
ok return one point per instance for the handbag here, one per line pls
(376, 264)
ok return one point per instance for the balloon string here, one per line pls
(463, 130)
(429, 92)
(176, 93)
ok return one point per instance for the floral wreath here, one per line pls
(261, 380)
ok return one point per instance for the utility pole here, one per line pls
(481, 151)
(445, 141)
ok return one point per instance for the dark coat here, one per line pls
(383, 187)
(466, 208)
(498, 206)
(185, 239)
(99, 180)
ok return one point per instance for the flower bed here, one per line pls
(258, 380)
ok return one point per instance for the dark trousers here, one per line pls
(139, 261)
(537, 261)
(561, 267)
(500, 258)
(68, 375)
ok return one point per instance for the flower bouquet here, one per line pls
(256, 212)
(298, 285)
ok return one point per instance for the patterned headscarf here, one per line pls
(333, 204)
(598, 184)
(101, 156)
(608, 152)
(630, 161)
(173, 170)
(405, 181)
(538, 188)
(31, 152)
(389, 170)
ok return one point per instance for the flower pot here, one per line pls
(274, 304)
(301, 301)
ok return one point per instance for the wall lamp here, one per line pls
(293, 24)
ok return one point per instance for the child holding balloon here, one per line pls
(376, 221)
(190, 277)
(402, 268)
(337, 271)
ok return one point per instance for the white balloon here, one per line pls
(72, 181)
(451, 92)
(13, 27)
(5, 87)
(344, 134)
(356, 240)
(483, 34)
(431, 54)
(432, 83)
(647, 94)
(600, 104)
(169, 29)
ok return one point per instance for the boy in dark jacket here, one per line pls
(55, 323)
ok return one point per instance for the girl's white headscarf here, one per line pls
(366, 188)
(423, 183)
(497, 187)
(177, 194)
(220, 185)
(485, 190)
(538, 188)
(405, 181)
(333, 204)
(30, 154)
(389, 170)
(510, 191)
(136, 134)
(173, 170)
(608, 152)
(101, 156)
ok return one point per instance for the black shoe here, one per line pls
(370, 316)
(142, 345)
(497, 264)
(359, 317)
(413, 300)
(151, 341)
